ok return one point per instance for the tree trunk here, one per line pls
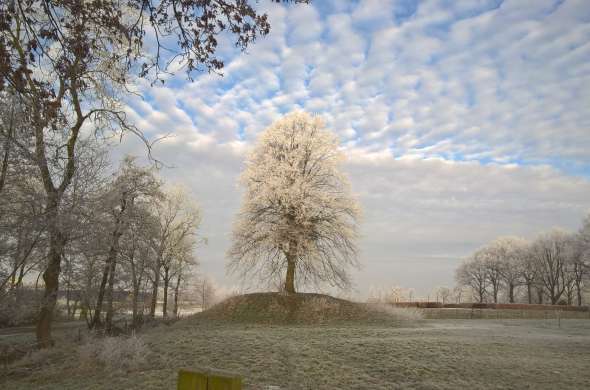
(57, 242)
(135, 283)
(570, 292)
(109, 296)
(96, 321)
(7, 145)
(529, 294)
(165, 298)
(74, 309)
(84, 312)
(511, 293)
(540, 295)
(134, 304)
(290, 279)
(203, 296)
(17, 260)
(155, 286)
(176, 289)
(553, 296)
(68, 301)
(109, 267)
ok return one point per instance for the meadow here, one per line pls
(407, 353)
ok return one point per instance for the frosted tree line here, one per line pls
(553, 268)
(66, 68)
(130, 242)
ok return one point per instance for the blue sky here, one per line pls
(462, 120)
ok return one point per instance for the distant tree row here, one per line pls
(394, 294)
(553, 268)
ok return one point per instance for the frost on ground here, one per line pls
(399, 313)
(438, 354)
(305, 309)
(114, 353)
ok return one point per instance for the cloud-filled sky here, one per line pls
(462, 121)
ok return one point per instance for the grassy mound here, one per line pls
(302, 308)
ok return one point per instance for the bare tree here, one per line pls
(183, 265)
(22, 231)
(504, 259)
(132, 185)
(473, 273)
(580, 259)
(584, 241)
(528, 271)
(494, 264)
(549, 251)
(443, 293)
(457, 294)
(13, 126)
(577, 265)
(179, 258)
(298, 217)
(393, 294)
(138, 255)
(178, 220)
(205, 292)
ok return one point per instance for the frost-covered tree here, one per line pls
(131, 187)
(473, 273)
(443, 294)
(205, 292)
(179, 218)
(505, 254)
(457, 293)
(550, 253)
(298, 217)
(528, 271)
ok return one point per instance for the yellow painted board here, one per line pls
(189, 380)
(224, 383)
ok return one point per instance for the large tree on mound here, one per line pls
(298, 217)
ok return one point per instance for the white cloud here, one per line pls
(461, 123)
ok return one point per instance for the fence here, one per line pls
(460, 313)
(495, 306)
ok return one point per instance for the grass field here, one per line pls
(432, 354)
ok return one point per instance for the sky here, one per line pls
(461, 121)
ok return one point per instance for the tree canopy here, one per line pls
(298, 216)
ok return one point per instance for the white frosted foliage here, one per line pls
(297, 206)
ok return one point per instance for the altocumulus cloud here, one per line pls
(462, 121)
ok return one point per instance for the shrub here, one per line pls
(125, 353)
(41, 357)
(19, 307)
(399, 313)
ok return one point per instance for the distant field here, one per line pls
(432, 354)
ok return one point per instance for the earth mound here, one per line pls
(301, 308)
